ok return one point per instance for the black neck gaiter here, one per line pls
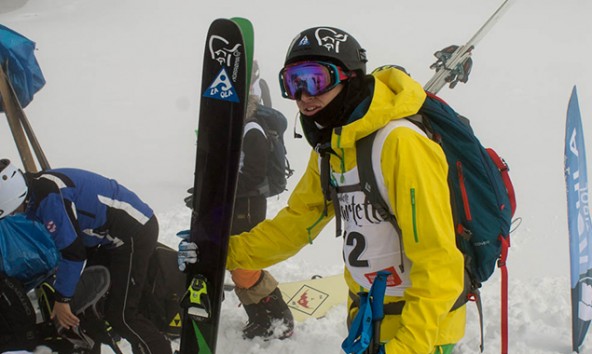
(332, 114)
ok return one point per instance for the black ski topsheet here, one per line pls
(224, 92)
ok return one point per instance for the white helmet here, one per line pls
(13, 188)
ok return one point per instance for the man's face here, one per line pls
(310, 105)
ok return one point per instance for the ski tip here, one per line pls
(242, 20)
(574, 94)
(248, 33)
(245, 25)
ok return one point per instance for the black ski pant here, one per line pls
(248, 212)
(128, 266)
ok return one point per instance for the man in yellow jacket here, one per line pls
(325, 73)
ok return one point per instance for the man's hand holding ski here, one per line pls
(187, 251)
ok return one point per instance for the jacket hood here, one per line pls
(395, 95)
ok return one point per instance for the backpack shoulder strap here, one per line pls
(367, 171)
(368, 182)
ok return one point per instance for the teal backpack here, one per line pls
(482, 197)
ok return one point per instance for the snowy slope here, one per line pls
(122, 99)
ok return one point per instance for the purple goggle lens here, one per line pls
(314, 78)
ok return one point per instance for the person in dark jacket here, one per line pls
(93, 220)
(257, 290)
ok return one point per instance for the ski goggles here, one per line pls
(312, 77)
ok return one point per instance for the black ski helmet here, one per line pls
(328, 43)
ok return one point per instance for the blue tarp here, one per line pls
(27, 250)
(17, 57)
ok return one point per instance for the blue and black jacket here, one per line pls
(81, 210)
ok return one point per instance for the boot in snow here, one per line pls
(269, 318)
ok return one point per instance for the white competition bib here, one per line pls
(370, 244)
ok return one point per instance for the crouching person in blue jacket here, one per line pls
(92, 219)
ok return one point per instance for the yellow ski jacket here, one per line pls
(415, 170)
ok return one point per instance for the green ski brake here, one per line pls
(196, 300)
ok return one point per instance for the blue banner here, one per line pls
(580, 226)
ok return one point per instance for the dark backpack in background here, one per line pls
(482, 197)
(17, 317)
(274, 125)
(164, 288)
